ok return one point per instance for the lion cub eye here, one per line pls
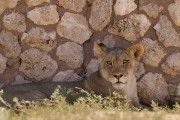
(125, 62)
(109, 63)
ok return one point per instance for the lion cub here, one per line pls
(116, 71)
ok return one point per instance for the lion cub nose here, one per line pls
(118, 76)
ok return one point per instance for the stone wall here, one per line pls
(52, 40)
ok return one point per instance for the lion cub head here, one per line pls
(116, 64)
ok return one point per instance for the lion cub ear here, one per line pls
(135, 51)
(100, 50)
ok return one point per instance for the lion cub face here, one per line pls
(116, 64)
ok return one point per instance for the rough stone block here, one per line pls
(153, 87)
(46, 15)
(71, 53)
(10, 44)
(174, 11)
(100, 14)
(39, 38)
(166, 33)
(14, 21)
(7, 4)
(132, 27)
(109, 41)
(151, 9)
(3, 61)
(172, 64)
(37, 65)
(20, 80)
(92, 67)
(74, 5)
(153, 53)
(36, 2)
(74, 27)
(139, 70)
(66, 76)
(123, 7)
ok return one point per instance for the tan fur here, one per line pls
(116, 71)
(102, 82)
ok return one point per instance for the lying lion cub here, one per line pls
(116, 71)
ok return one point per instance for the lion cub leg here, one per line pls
(135, 102)
(132, 93)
